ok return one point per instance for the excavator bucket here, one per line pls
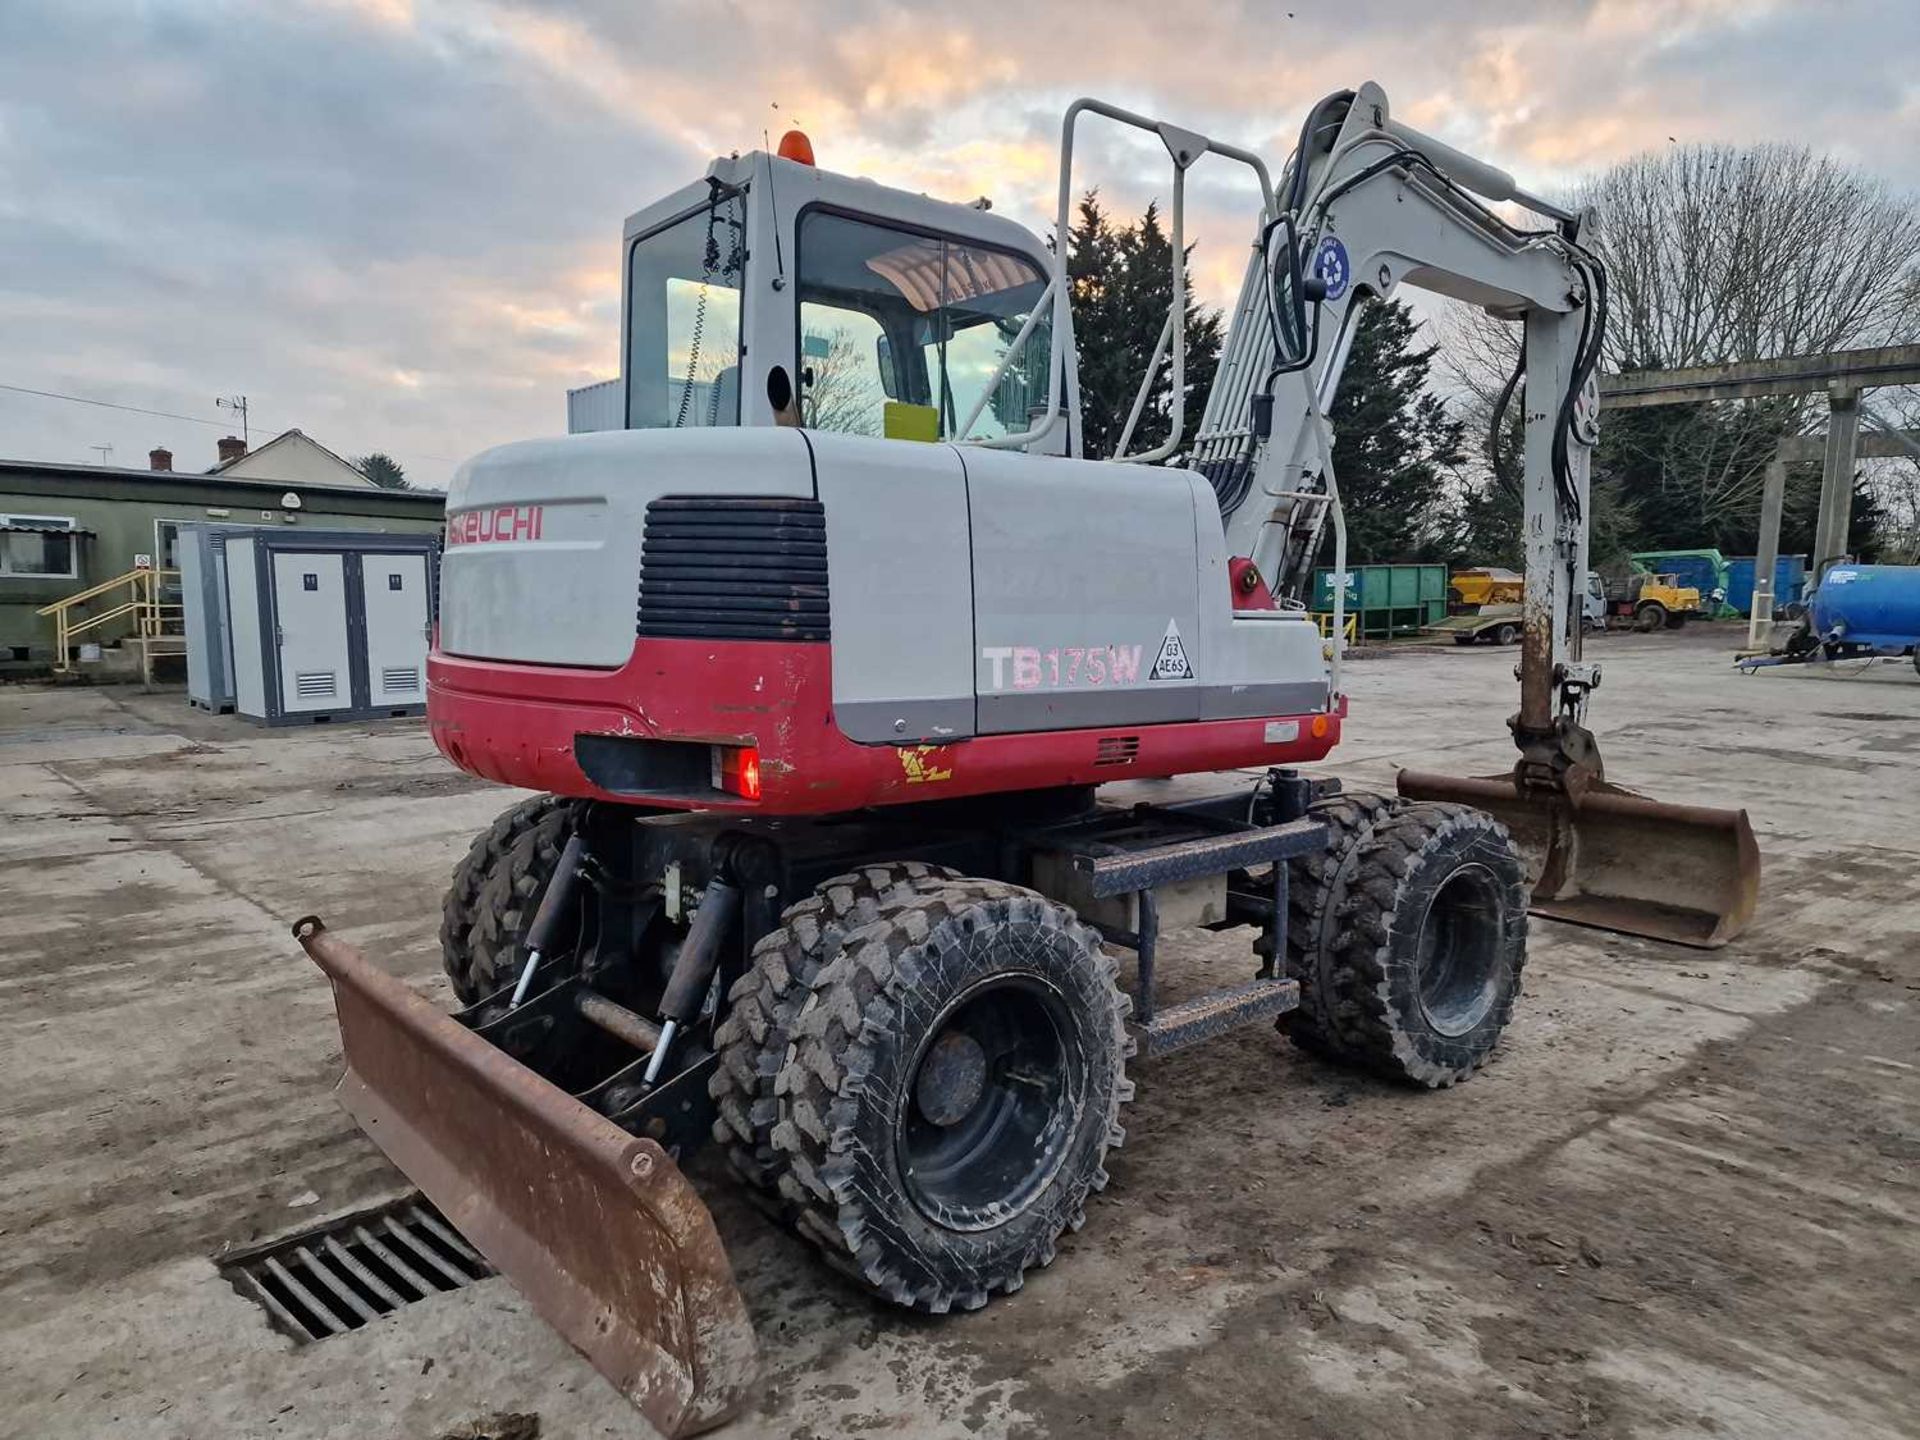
(597, 1228)
(1619, 861)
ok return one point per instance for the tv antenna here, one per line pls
(105, 452)
(239, 403)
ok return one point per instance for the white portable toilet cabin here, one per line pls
(330, 625)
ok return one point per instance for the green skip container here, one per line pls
(1387, 600)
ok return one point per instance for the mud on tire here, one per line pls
(953, 1089)
(1315, 885)
(470, 876)
(1432, 938)
(752, 1040)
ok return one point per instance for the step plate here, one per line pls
(1192, 1021)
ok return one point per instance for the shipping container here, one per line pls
(1789, 576)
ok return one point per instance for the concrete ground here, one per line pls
(1681, 1203)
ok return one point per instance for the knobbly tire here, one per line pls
(953, 1089)
(1432, 936)
(511, 893)
(470, 876)
(752, 1040)
(1315, 885)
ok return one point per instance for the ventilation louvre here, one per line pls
(400, 677)
(1116, 750)
(734, 568)
(315, 684)
(342, 1275)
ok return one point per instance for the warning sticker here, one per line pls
(1173, 663)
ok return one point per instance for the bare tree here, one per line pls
(1717, 254)
(843, 392)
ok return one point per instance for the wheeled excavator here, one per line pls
(818, 668)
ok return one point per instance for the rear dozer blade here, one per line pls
(597, 1228)
(1618, 861)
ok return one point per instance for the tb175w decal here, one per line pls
(1080, 667)
(1027, 667)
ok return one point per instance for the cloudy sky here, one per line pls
(395, 223)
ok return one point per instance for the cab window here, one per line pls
(683, 321)
(893, 315)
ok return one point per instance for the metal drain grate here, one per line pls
(339, 1276)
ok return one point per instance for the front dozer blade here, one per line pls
(597, 1228)
(1619, 861)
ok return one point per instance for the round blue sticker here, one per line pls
(1330, 264)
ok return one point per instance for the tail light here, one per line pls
(736, 770)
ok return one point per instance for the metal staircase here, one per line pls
(156, 626)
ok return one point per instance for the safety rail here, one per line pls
(1349, 628)
(1184, 148)
(148, 615)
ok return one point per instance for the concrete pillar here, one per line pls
(1767, 557)
(1766, 560)
(1836, 481)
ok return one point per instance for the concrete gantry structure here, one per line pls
(1843, 375)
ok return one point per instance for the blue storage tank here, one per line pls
(1876, 605)
(1789, 574)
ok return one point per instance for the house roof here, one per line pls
(159, 479)
(290, 437)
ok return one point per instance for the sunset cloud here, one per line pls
(395, 223)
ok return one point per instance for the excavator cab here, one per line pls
(778, 293)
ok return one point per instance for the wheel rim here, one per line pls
(984, 1122)
(1458, 951)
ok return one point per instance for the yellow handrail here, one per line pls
(143, 605)
(1348, 631)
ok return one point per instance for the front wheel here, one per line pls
(952, 1090)
(1649, 617)
(1433, 936)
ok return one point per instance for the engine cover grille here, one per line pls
(734, 568)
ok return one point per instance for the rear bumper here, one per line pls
(517, 724)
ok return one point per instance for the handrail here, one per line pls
(143, 604)
(1184, 147)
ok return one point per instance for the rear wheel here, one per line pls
(1506, 634)
(470, 876)
(953, 1089)
(753, 1038)
(1649, 617)
(1433, 936)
